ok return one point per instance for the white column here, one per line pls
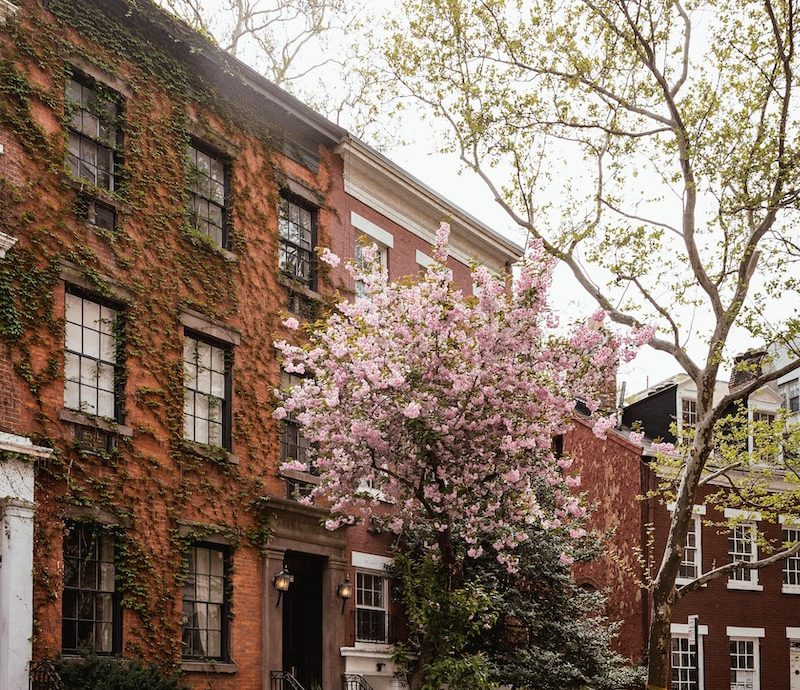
(16, 592)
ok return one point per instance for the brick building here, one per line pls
(748, 623)
(166, 201)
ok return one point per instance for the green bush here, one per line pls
(96, 673)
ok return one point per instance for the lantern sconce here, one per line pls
(281, 582)
(345, 590)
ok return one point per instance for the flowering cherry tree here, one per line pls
(445, 405)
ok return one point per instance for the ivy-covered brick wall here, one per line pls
(160, 492)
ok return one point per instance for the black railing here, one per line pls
(353, 681)
(283, 680)
(43, 676)
(375, 626)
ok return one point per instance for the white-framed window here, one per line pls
(791, 565)
(791, 395)
(372, 611)
(744, 660)
(92, 375)
(760, 420)
(686, 660)
(688, 415)
(692, 564)
(358, 256)
(742, 546)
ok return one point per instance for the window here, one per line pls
(90, 210)
(791, 565)
(92, 375)
(371, 609)
(791, 395)
(744, 665)
(297, 229)
(206, 194)
(358, 255)
(760, 435)
(688, 414)
(93, 138)
(205, 602)
(691, 565)
(295, 447)
(684, 676)
(207, 391)
(90, 607)
(742, 547)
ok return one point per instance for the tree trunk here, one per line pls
(658, 666)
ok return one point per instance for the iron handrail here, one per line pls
(43, 676)
(283, 680)
(354, 681)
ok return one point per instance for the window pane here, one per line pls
(89, 609)
(203, 601)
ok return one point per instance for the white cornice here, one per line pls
(6, 241)
(7, 9)
(20, 444)
(366, 169)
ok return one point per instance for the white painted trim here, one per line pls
(370, 561)
(6, 241)
(423, 259)
(791, 521)
(683, 629)
(790, 589)
(746, 585)
(23, 445)
(696, 510)
(736, 631)
(749, 515)
(376, 232)
(793, 633)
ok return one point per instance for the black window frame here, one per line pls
(101, 90)
(306, 205)
(120, 371)
(227, 402)
(225, 160)
(225, 607)
(95, 529)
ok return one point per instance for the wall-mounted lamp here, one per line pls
(345, 590)
(281, 582)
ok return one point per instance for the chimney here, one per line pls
(746, 366)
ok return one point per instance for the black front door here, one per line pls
(302, 619)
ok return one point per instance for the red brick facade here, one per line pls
(617, 477)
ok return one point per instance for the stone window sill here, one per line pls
(75, 417)
(199, 240)
(211, 452)
(299, 287)
(300, 476)
(208, 667)
(745, 586)
(85, 187)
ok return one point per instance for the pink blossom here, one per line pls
(599, 316)
(564, 559)
(577, 533)
(291, 323)
(603, 425)
(636, 437)
(329, 257)
(664, 448)
(487, 378)
(412, 410)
